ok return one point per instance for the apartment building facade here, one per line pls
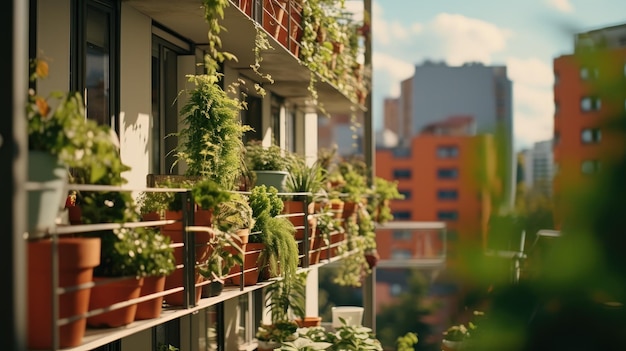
(130, 60)
(444, 176)
(584, 105)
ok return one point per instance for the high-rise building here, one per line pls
(582, 142)
(437, 91)
(438, 174)
(538, 167)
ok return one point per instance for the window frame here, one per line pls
(78, 52)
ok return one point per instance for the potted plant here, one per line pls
(353, 337)
(287, 298)
(279, 255)
(454, 337)
(267, 165)
(59, 139)
(207, 195)
(159, 264)
(271, 336)
(236, 216)
(308, 181)
(379, 204)
(210, 142)
(225, 252)
(128, 253)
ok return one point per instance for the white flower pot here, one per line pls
(353, 315)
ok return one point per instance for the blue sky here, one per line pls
(524, 35)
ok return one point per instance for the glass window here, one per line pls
(401, 152)
(591, 135)
(402, 174)
(447, 173)
(584, 73)
(448, 151)
(96, 81)
(447, 215)
(400, 254)
(401, 235)
(590, 104)
(590, 166)
(402, 215)
(406, 194)
(447, 194)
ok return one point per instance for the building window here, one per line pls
(590, 104)
(402, 215)
(556, 78)
(590, 166)
(447, 194)
(402, 173)
(406, 194)
(401, 235)
(584, 73)
(395, 289)
(590, 136)
(401, 152)
(447, 215)
(95, 71)
(448, 151)
(447, 173)
(400, 254)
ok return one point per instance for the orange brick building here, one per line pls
(583, 104)
(446, 174)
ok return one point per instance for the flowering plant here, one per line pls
(58, 125)
(279, 332)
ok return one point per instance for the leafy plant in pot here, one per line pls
(379, 204)
(210, 142)
(279, 253)
(60, 137)
(267, 165)
(225, 252)
(285, 299)
(128, 253)
(309, 181)
(235, 216)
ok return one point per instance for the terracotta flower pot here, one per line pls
(250, 266)
(151, 308)
(110, 293)
(175, 280)
(77, 259)
(308, 322)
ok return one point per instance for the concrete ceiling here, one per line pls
(291, 78)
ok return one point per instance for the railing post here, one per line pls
(189, 252)
(306, 244)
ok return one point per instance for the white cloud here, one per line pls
(533, 100)
(561, 5)
(393, 68)
(398, 31)
(391, 32)
(531, 71)
(467, 39)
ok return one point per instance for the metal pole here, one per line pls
(13, 156)
(369, 286)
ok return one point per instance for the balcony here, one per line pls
(331, 251)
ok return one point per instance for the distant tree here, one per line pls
(406, 313)
(331, 294)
